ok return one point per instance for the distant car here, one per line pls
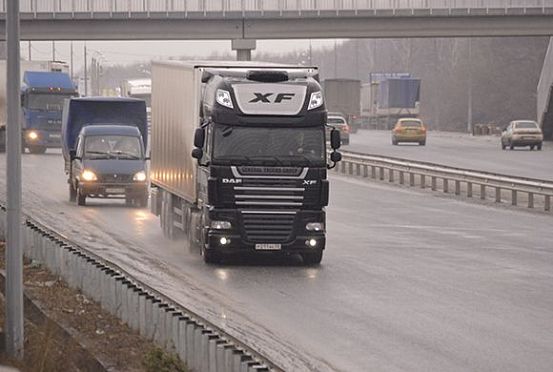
(409, 130)
(522, 133)
(339, 122)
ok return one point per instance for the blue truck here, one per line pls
(104, 142)
(42, 97)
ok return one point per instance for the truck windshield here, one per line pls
(47, 102)
(269, 146)
(112, 147)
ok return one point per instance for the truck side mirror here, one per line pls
(199, 138)
(335, 156)
(197, 153)
(335, 139)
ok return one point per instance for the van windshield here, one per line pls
(112, 147)
(269, 146)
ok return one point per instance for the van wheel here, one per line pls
(81, 199)
(312, 258)
(532, 147)
(72, 193)
(503, 147)
(37, 149)
(422, 143)
(511, 146)
(539, 146)
(394, 142)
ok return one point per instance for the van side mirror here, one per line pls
(197, 153)
(335, 139)
(199, 138)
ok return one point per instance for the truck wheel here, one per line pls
(72, 193)
(312, 258)
(211, 256)
(394, 142)
(422, 143)
(142, 201)
(511, 146)
(37, 149)
(539, 146)
(81, 199)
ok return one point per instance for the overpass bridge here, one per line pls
(278, 19)
(545, 94)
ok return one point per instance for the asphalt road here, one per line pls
(409, 282)
(461, 150)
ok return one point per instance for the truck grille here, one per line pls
(269, 226)
(268, 193)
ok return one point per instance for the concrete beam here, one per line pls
(307, 27)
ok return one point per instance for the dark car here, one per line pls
(109, 162)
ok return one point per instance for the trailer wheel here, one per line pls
(72, 193)
(81, 199)
(312, 258)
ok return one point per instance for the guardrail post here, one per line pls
(373, 171)
(401, 177)
(445, 182)
(390, 175)
(350, 169)
(434, 182)
(381, 173)
(482, 192)
(411, 179)
(547, 201)
(457, 187)
(365, 171)
(358, 169)
(469, 189)
(498, 194)
(423, 181)
(514, 197)
(530, 200)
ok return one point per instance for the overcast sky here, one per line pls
(123, 52)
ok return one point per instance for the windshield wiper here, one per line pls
(102, 153)
(231, 159)
(128, 154)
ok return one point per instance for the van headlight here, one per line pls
(315, 226)
(32, 135)
(316, 100)
(139, 176)
(88, 175)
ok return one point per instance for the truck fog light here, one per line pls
(311, 242)
(220, 225)
(314, 226)
(224, 241)
(32, 135)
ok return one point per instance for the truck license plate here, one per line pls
(268, 247)
(114, 190)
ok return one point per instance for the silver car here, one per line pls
(522, 133)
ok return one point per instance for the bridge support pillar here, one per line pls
(243, 48)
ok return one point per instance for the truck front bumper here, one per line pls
(102, 190)
(240, 239)
(36, 137)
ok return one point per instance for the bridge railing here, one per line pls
(232, 6)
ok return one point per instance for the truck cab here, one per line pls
(109, 161)
(42, 98)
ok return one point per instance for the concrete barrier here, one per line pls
(201, 346)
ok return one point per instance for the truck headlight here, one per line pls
(223, 98)
(139, 176)
(315, 226)
(316, 100)
(32, 135)
(88, 175)
(221, 225)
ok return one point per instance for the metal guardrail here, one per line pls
(403, 7)
(200, 344)
(435, 177)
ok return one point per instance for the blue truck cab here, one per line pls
(42, 98)
(104, 141)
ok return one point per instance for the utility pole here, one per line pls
(469, 115)
(335, 59)
(53, 50)
(310, 53)
(85, 72)
(14, 254)
(71, 60)
(30, 56)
